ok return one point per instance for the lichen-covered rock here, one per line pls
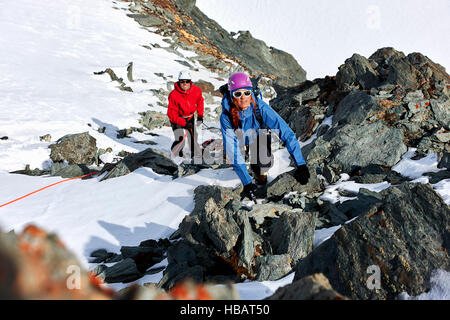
(75, 149)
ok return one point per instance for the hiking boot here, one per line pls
(260, 179)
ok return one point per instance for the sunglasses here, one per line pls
(184, 81)
(238, 94)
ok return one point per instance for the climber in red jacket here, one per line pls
(184, 101)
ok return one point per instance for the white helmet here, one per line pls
(184, 75)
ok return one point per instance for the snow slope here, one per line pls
(50, 51)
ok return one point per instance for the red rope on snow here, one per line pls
(46, 188)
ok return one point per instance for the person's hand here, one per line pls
(199, 120)
(301, 174)
(249, 192)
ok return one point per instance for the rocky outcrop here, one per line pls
(190, 29)
(223, 240)
(380, 107)
(404, 235)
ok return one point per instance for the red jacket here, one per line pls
(184, 104)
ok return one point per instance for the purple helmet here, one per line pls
(239, 80)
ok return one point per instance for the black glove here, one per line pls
(199, 120)
(249, 192)
(301, 174)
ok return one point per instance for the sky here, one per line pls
(321, 34)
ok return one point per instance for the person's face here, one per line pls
(242, 98)
(185, 84)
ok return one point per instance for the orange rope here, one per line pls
(46, 188)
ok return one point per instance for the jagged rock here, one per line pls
(75, 149)
(431, 144)
(293, 234)
(156, 160)
(260, 212)
(314, 287)
(355, 108)
(272, 267)
(356, 146)
(220, 227)
(441, 110)
(147, 20)
(286, 182)
(301, 121)
(435, 177)
(406, 237)
(445, 161)
(123, 271)
(246, 250)
(357, 71)
(45, 138)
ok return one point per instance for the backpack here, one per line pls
(256, 92)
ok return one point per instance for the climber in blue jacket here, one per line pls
(242, 130)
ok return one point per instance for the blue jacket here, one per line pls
(249, 123)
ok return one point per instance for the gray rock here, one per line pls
(123, 271)
(285, 183)
(407, 237)
(45, 138)
(272, 267)
(147, 20)
(435, 177)
(355, 108)
(293, 234)
(70, 171)
(132, 252)
(246, 250)
(314, 287)
(445, 161)
(154, 159)
(220, 227)
(152, 119)
(357, 70)
(75, 149)
(358, 146)
(260, 212)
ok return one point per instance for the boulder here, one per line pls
(356, 146)
(75, 149)
(405, 238)
(293, 234)
(355, 108)
(313, 287)
(357, 71)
